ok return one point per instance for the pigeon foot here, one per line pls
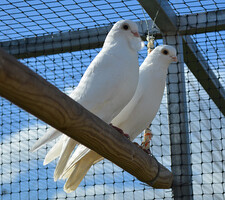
(120, 131)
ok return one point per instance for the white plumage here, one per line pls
(106, 87)
(136, 115)
(144, 105)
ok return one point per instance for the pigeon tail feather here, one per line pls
(54, 152)
(80, 170)
(67, 149)
(49, 136)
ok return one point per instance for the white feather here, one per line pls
(136, 115)
(79, 153)
(49, 136)
(67, 149)
(80, 171)
(111, 79)
(54, 152)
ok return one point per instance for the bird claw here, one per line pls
(117, 128)
(147, 151)
(120, 131)
(137, 144)
(126, 135)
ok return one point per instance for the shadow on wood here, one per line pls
(34, 94)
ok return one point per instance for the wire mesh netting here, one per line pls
(22, 174)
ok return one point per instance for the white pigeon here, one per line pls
(133, 119)
(107, 85)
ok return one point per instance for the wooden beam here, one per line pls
(66, 41)
(57, 43)
(178, 122)
(201, 22)
(34, 94)
(93, 38)
(203, 73)
(166, 19)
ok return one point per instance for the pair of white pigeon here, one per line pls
(114, 89)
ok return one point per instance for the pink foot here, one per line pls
(147, 151)
(137, 144)
(120, 131)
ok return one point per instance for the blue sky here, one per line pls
(22, 175)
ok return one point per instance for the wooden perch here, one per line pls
(34, 94)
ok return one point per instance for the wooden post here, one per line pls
(178, 123)
(34, 94)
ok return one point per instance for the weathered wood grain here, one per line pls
(34, 94)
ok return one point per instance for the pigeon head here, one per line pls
(127, 27)
(166, 53)
(126, 30)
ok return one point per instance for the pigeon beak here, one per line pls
(174, 58)
(136, 34)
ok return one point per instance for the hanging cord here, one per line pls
(150, 46)
(150, 38)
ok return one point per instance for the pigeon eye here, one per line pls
(125, 27)
(165, 52)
